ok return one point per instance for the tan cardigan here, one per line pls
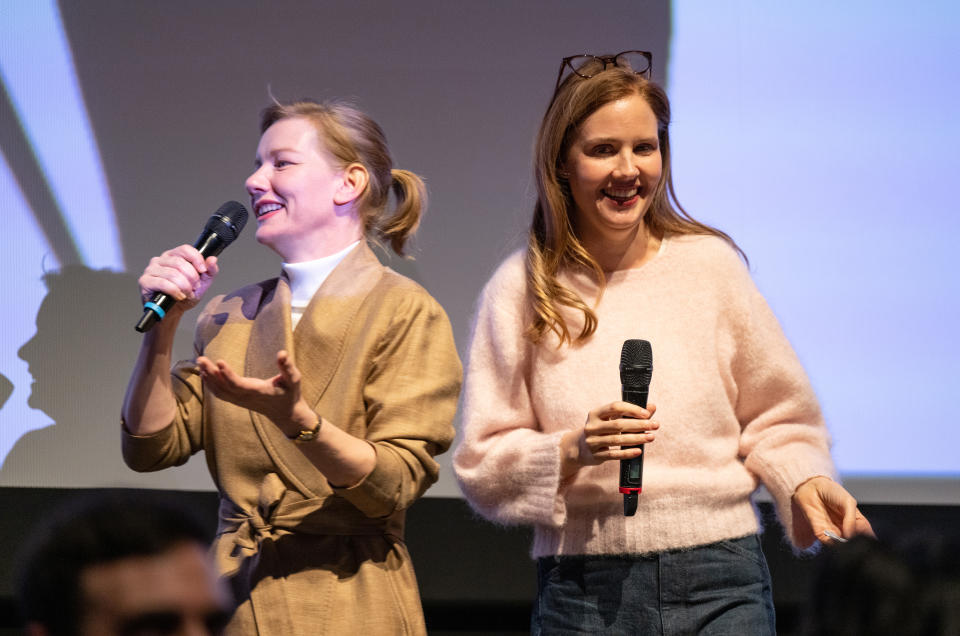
(379, 361)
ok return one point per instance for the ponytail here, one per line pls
(411, 196)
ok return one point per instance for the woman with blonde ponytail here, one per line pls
(320, 397)
(611, 257)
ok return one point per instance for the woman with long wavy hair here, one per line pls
(611, 256)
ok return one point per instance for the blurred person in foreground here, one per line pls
(120, 566)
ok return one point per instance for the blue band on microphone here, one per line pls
(154, 306)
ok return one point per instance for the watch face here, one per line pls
(306, 436)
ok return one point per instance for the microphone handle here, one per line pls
(631, 470)
(208, 244)
(153, 311)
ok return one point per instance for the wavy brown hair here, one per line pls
(552, 244)
(351, 136)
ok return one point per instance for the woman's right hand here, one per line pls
(181, 273)
(604, 435)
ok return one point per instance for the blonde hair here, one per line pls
(351, 136)
(552, 244)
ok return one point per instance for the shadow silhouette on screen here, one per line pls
(80, 358)
(6, 388)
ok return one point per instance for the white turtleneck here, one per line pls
(305, 279)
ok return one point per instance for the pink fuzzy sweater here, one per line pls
(735, 407)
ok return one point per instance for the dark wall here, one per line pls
(475, 577)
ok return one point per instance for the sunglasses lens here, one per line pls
(582, 67)
(636, 61)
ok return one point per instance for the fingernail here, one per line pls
(833, 535)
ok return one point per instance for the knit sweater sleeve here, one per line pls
(507, 467)
(784, 440)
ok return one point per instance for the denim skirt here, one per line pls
(721, 588)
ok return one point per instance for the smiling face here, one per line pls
(299, 195)
(613, 167)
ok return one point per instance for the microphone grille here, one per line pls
(228, 221)
(636, 363)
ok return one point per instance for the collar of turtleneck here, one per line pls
(305, 278)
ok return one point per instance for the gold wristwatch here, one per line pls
(308, 434)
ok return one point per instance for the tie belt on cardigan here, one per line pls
(251, 537)
(269, 517)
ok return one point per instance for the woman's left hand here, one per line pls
(821, 505)
(278, 397)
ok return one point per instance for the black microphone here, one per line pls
(636, 369)
(221, 230)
